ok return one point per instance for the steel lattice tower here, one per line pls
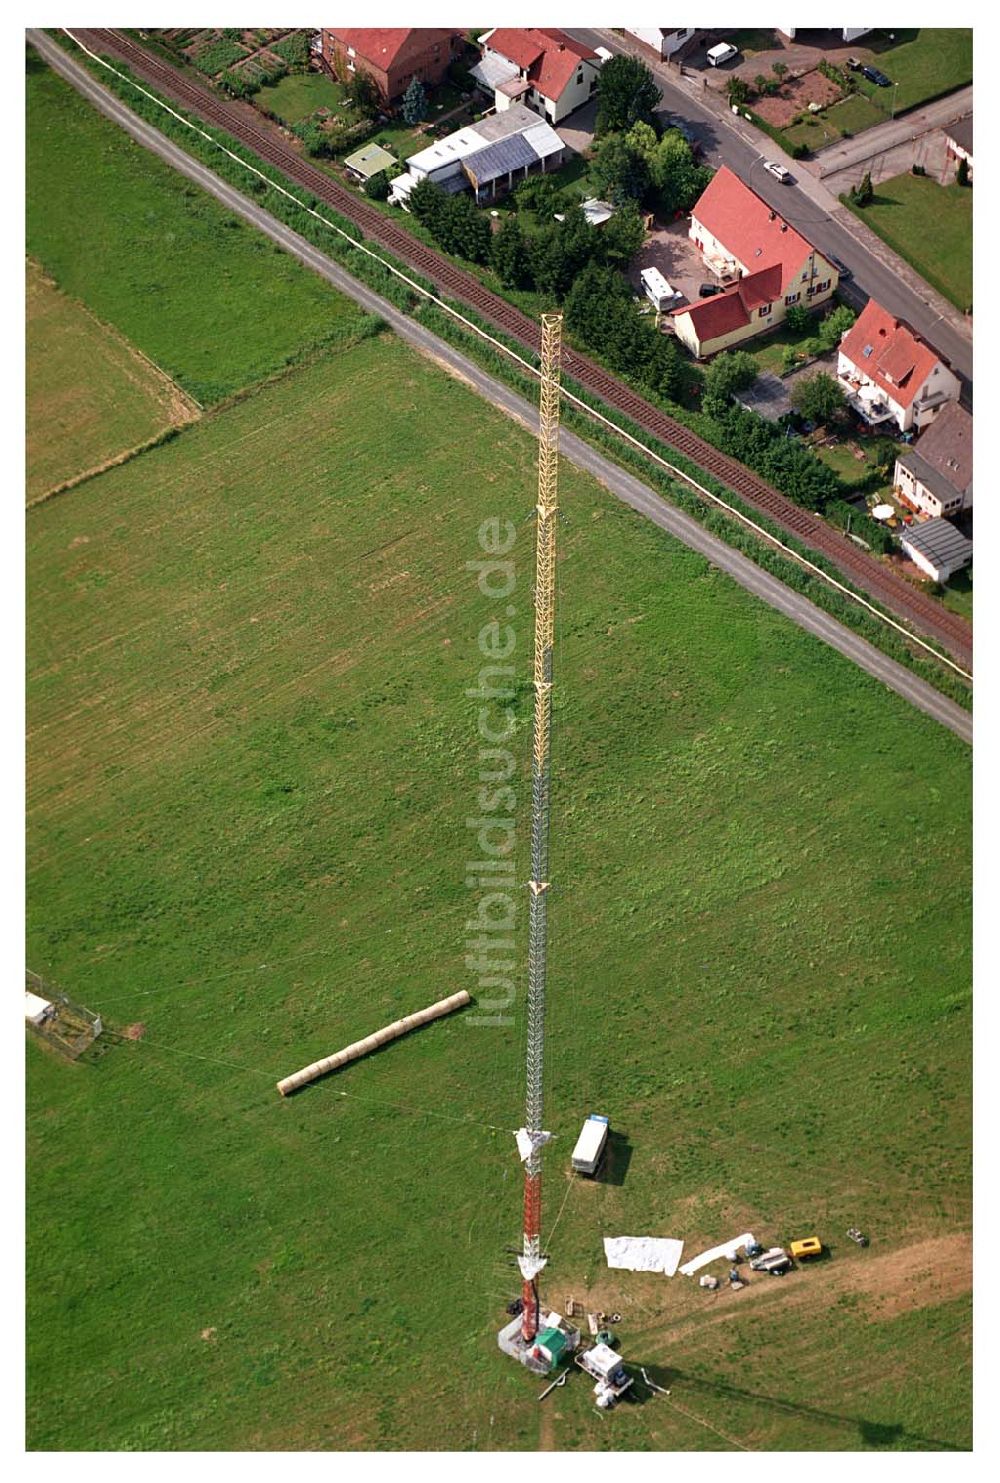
(538, 886)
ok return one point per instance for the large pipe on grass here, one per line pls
(373, 1042)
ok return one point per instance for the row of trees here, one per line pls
(547, 260)
(600, 312)
(643, 165)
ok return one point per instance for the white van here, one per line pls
(590, 1144)
(722, 53)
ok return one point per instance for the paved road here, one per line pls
(871, 142)
(624, 486)
(808, 205)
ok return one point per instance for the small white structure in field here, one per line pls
(37, 1011)
(590, 1145)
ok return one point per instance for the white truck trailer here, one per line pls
(589, 1148)
(658, 291)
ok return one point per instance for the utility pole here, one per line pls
(538, 886)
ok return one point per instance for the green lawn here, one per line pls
(253, 841)
(926, 63)
(957, 595)
(208, 299)
(298, 95)
(930, 226)
(842, 460)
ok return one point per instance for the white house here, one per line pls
(849, 33)
(663, 41)
(934, 476)
(890, 375)
(937, 547)
(489, 156)
(544, 69)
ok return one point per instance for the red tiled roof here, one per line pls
(733, 310)
(384, 47)
(897, 361)
(549, 57)
(749, 228)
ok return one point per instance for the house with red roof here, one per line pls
(765, 265)
(543, 68)
(393, 56)
(890, 375)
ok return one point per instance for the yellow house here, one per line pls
(768, 265)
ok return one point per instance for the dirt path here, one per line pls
(919, 1276)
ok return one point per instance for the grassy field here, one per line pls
(926, 63)
(90, 397)
(248, 803)
(298, 95)
(206, 298)
(929, 225)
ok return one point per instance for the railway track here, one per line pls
(906, 602)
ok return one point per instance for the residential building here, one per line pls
(937, 547)
(393, 57)
(958, 137)
(488, 157)
(544, 70)
(934, 476)
(767, 265)
(664, 42)
(890, 375)
(370, 160)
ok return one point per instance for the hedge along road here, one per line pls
(270, 145)
(630, 490)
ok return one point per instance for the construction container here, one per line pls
(589, 1148)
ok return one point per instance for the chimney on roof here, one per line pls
(784, 226)
(772, 215)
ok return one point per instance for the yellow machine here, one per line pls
(807, 1247)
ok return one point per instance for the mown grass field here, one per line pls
(206, 298)
(90, 397)
(299, 94)
(930, 225)
(253, 756)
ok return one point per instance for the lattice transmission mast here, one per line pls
(538, 886)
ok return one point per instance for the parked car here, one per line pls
(842, 268)
(877, 77)
(778, 171)
(708, 289)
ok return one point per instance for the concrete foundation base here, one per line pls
(510, 1341)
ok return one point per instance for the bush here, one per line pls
(377, 186)
(798, 319)
(864, 192)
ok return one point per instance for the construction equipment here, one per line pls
(806, 1248)
(538, 886)
(606, 1367)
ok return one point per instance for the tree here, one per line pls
(862, 194)
(626, 92)
(592, 301)
(377, 186)
(415, 102)
(798, 319)
(738, 91)
(619, 172)
(621, 237)
(819, 398)
(730, 372)
(779, 69)
(677, 178)
(537, 193)
(962, 173)
(508, 255)
(833, 327)
(362, 93)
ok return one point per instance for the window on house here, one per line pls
(792, 298)
(764, 311)
(579, 77)
(822, 287)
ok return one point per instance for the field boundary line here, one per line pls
(418, 288)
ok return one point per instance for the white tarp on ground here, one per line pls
(729, 1251)
(36, 1009)
(528, 1142)
(644, 1253)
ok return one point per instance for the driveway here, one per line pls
(577, 131)
(670, 249)
(929, 150)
